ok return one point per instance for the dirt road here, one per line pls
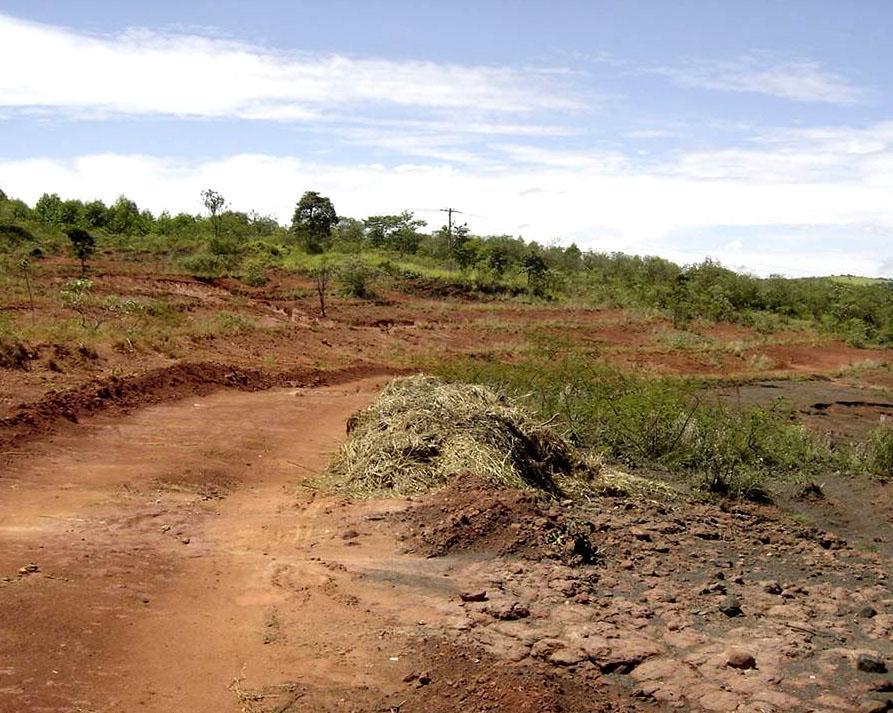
(174, 560)
(178, 566)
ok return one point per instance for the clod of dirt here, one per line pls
(473, 515)
(871, 664)
(14, 355)
(422, 431)
(741, 660)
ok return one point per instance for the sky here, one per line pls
(757, 133)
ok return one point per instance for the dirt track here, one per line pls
(170, 560)
(168, 544)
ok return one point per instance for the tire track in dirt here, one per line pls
(174, 556)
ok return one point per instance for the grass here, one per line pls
(671, 424)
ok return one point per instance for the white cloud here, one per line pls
(799, 79)
(142, 72)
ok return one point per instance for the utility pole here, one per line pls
(449, 212)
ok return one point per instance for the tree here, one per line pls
(535, 267)
(467, 253)
(124, 218)
(498, 258)
(348, 235)
(82, 245)
(395, 232)
(313, 221)
(48, 209)
(95, 214)
(214, 202)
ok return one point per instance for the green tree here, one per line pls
(124, 218)
(313, 221)
(95, 214)
(48, 209)
(395, 232)
(534, 264)
(82, 245)
(348, 235)
(215, 203)
(468, 253)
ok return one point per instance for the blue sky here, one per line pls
(758, 133)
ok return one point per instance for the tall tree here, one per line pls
(313, 221)
(214, 202)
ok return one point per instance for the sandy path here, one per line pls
(176, 555)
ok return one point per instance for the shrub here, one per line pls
(356, 278)
(877, 453)
(13, 355)
(254, 270)
(205, 265)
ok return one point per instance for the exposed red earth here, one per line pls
(160, 549)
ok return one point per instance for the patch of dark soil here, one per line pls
(845, 412)
(159, 385)
(857, 508)
(472, 515)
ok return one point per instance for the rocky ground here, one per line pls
(690, 606)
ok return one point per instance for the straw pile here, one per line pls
(422, 430)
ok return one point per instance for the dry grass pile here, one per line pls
(422, 430)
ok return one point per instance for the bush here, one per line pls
(356, 278)
(254, 270)
(877, 453)
(13, 355)
(205, 265)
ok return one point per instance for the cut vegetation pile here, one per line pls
(422, 430)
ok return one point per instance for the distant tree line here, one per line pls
(859, 310)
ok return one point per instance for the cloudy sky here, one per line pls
(759, 133)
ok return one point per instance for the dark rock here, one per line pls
(772, 588)
(349, 535)
(871, 664)
(730, 606)
(473, 596)
(741, 659)
(867, 612)
(872, 705)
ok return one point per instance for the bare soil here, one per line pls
(169, 559)
(159, 550)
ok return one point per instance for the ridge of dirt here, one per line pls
(473, 515)
(123, 393)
